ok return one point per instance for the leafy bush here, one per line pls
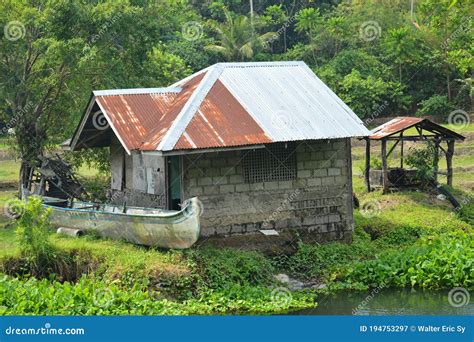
(376, 163)
(436, 105)
(422, 159)
(224, 268)
(33, 229)
(316, 261)
(400, 236)
(444, 261)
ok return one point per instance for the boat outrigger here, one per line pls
(143, 226)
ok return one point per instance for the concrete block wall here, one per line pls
(318, 201)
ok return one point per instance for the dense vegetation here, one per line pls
(426, 248)
(381, 58)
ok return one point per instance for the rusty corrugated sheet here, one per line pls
(221, 121)
(132, 115)
(153, 138)
(393, 126)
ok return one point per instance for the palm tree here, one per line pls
(237, 40)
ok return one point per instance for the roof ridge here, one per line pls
(189, 109)
(136, 91)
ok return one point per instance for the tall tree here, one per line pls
(237, 40)
(400, 48)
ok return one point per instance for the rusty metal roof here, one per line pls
(132, 115)
(221, 121)
(394, 126)
(158, 129)
(402, 123)
(230, 104)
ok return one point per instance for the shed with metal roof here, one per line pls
(244, 137)
(412, 129)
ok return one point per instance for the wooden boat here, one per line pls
(141, 226)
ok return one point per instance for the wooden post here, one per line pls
(436, 160)
(367, 164)
(384, 166)
(401, 150)
(449, 162)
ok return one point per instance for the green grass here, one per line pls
(9, 170)
(141, 280)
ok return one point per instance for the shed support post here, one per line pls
(436, 160)
(449, 162)
(384, 166)
(367, 164)
(401, 150)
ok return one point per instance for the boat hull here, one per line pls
(177, 230)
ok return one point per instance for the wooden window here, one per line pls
(275, 162)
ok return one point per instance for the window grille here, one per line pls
(275, 162)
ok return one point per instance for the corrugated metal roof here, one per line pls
(290, 103)
(221, 121)
(402, 123)
(137, 91)
(285, 100)
(230, 104)
(132, 115)
(159, 129)
(393, 126)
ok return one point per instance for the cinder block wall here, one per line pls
(318, 201)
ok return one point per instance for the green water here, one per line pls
(389, 302)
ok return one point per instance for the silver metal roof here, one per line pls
(290, 102)
(286, 99)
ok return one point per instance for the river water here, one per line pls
(389, 302)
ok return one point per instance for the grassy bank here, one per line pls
(407, 242)
(97, 276)
(405, 239)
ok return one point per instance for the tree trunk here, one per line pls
(448, 83)
(24, 180)
(400, 72)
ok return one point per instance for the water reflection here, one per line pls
(388, 302)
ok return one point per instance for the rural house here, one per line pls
(264, 146)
